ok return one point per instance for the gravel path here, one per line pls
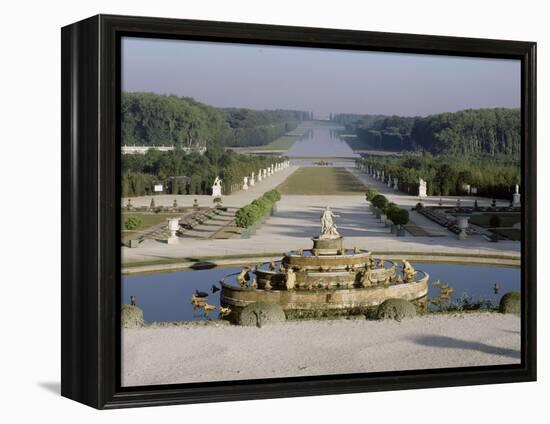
(181, 354)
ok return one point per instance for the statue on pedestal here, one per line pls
(422, 188)
(516, 198)
(328, 229)
(217, 188)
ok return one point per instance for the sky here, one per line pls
(323, 81)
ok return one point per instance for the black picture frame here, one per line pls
(91, 209)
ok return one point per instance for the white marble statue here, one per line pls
(422, 188)
(516, 198)
(259, 175)
(217, 188)
(396, 183)
(251, 182)
(245, 183)
(328, 229)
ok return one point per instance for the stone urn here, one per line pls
(462, 226)
(173, 227)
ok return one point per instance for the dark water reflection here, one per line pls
(167, 296)
(321, 141)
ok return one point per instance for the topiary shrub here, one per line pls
(400, 216)
(397, 309)
(133, 222)
(247, 216)
(261, 313)
(371, 194)
(380, 201)
(273, 195)
(510, 303)
(131, 316)
(263, 204)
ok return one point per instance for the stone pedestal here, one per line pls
(516, 200)
(327, 246)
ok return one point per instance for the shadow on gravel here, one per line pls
(452, 343)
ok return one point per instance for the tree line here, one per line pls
(150, 119)
(468, 132)
(448, 175)
(191, 173)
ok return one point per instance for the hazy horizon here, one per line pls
(323, 81)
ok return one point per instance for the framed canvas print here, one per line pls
(254, 211)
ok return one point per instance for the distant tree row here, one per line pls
(493, 176)
(151, 119)
(467, 132)
(182, 173)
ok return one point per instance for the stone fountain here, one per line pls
(327, 280)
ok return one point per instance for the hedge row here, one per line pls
(397, 215)
(250, 214)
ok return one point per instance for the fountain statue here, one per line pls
(325, 280)
(328, 228)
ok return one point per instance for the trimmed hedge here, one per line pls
(397, 215)
(510, 303)
(250, 214)
(380, 201)
(371, 194)
(131, 316)
(397, 309)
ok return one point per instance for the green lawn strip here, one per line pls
(321, 181)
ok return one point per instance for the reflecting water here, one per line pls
(167, 296)
(321, 141)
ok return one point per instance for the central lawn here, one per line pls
(284, 142)
(322, 180)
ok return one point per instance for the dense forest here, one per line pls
(467, 132)
(160, 120)
(150, 119)
(493, 176)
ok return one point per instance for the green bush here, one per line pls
(380, 201)
(247, 216)
(131, 316)
(510, 303)
(399, 216)
(371, 194)
(133, 223)
(273, 196)
(261, 313)
(250, 214)
(263, 204)
(397, 309)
